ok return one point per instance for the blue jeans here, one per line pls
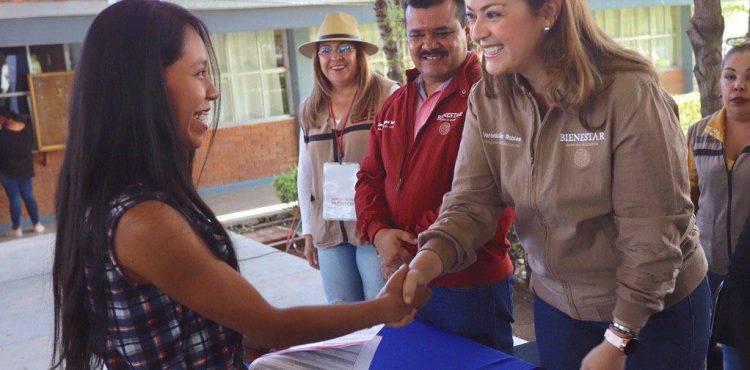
(674, 339)
(18, 189)
(731, 357)
(350, 273)
(480, 313)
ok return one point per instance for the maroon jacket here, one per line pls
(402, 181)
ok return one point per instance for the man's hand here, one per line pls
(403, 258)
(604, 357)
(311, 254)
(389, 243)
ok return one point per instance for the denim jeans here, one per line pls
(731, 357)
(350, 273)
(481, 313)
(674, 339)
(18, 189)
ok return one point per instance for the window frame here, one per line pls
(231, 64)
(675, 60)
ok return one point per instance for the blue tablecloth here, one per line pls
(421, 346)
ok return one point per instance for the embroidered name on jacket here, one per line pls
(386, 124)
(450, 117)
(501, 138)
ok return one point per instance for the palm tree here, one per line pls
(705, 33)
(390, 22)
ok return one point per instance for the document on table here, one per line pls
(351, 351)
(357, 357)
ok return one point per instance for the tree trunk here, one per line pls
(387, 12)
(705, 33)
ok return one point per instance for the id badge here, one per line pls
(339, 180)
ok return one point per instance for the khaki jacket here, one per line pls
(605, 215)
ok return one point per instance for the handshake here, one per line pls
(408, 283)
(402, 297)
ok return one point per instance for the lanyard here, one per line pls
(340, 137)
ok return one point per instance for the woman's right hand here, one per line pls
(311, 253)
(397, 312)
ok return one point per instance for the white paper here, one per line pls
(356, 338)
(364, 360)
(354, 351)
(339, 180)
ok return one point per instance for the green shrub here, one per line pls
(516, 250)
(690, 108)
(286, 186)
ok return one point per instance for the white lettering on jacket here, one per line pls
(386, 124)
(500, 137)
(450, 116)
(584, 137)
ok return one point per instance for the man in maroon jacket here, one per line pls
(409, 167)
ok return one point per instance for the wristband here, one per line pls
(626, 345)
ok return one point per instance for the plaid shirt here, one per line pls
(147, 329)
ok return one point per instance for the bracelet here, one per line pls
(623, 329)
(619, 332)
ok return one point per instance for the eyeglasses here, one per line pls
(327, 51)
(735, 42)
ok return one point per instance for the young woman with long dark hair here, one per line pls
(144, 275)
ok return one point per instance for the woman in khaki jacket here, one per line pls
(335, 120)
(575, 132)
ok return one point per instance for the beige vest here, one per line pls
(322, 147)
(724, 202)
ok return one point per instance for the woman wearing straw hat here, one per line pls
(335, 119)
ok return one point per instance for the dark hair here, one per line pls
(735, 50)
(121, 129)
(424, 4)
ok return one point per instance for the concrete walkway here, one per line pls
(26, 287)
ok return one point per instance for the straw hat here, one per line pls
(337, 27)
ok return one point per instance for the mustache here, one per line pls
(433, 53)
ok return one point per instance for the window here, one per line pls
(253, 75)
(47, 58)
(651, 31)
(16, 63)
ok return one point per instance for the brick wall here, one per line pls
(249, 152)
(238, 154)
